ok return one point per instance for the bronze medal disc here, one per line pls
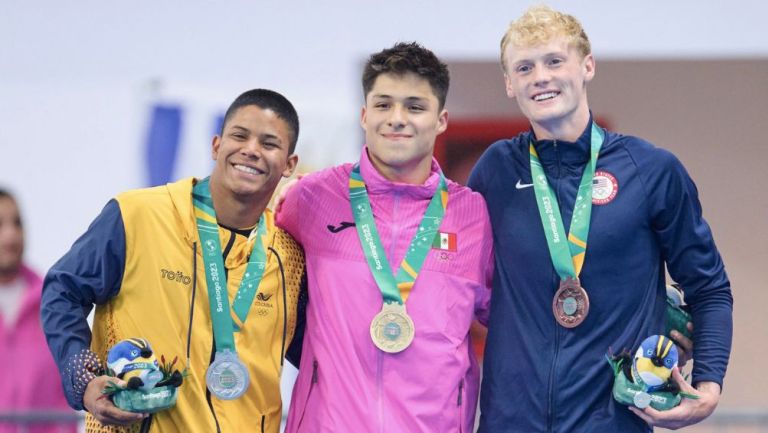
(392, 329)
(571, 303)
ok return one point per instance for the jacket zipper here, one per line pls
(550, 393)
(395, 233)
(380, 388)
(210, 404)
(379, 353)
(263, 418)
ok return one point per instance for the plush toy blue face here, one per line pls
(130, 350)
(133, 361)
(131, 354)
(654, 361)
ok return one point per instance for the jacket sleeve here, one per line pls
(90, 273)
(693, 261)
(476, 183)
(293, 354)
(483, 296)
(289, 214)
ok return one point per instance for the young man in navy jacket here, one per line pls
(555, 316)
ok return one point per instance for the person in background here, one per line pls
(29, 379)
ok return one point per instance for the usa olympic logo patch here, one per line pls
(604, 187)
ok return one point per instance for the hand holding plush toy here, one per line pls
(150, 387)
(133, 361)
(645, 379)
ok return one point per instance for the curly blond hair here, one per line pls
(538, 25)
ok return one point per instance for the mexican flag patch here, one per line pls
(444, 241)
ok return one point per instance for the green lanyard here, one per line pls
(215, 276)
(568, 260)
(371, 242)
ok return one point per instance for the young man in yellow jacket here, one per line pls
(165, 263)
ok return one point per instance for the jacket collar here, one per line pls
(375, 183)
(181, 197)
(568, 153)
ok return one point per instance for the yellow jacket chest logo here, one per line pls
(176, 276)
(263, 304)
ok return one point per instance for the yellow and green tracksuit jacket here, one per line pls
(140, 262)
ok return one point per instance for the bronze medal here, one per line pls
(571, 303)
(392, 329)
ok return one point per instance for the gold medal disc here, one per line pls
(571, 303)
(392, 329)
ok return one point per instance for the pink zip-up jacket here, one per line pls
(345, 383)
(29, 379)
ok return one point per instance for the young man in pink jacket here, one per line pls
(399, 262)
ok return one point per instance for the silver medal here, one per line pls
(227, 377)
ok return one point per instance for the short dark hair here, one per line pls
(267, 100)
(407, 57)
(4, 193)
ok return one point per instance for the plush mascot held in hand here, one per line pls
(133, 361)
(644, 380)
(654, 361)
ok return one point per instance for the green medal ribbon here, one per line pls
(568, 260)
(421, 243)
(215, 276)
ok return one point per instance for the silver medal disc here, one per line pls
(227, 378)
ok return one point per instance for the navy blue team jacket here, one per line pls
(541, 377)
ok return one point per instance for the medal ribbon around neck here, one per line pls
(568, 260)
(224, 324)
(391, 287)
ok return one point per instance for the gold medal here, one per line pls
(571, 303)
(392, 329)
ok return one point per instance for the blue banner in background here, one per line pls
(218, 124)
(162, 144)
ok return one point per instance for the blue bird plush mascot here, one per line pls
(654, 361)
(133, 361)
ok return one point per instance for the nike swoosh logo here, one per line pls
(344, 225)
(520, 185)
